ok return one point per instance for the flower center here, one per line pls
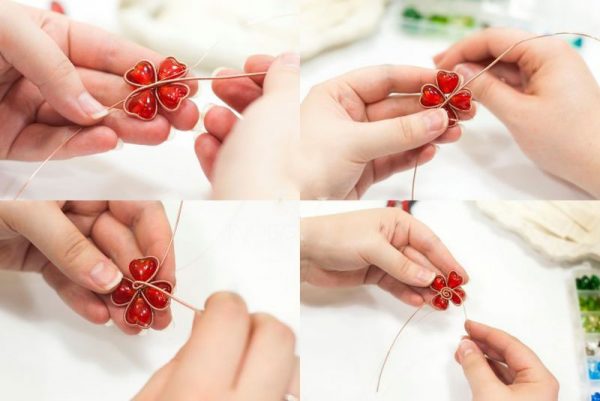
(446, 292)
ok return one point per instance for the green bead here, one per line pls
(585, 283)
(594, 282)
(578, 283)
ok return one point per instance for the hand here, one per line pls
(73, 245)
(543, 92)
(355, 134)
(252, 157)
(231, 356)
(386, 247)
(52, 70)
(501, 368)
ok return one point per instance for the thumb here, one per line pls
(45, 225)
(499, 97)
(377, 139)
(476, 368)
(33, 53)
(284, 74)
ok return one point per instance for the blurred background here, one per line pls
(342, 35)
(226, 31)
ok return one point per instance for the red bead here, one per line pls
(142, 105)
(439, 282)
(458, 296)
(139, 313)
(155, 298)
(454, 279)
(447, 81)
(440, 302)
(144, 269)
(123, 293)
(431, 96)
(171, 96)
(170, 68)
(452, 116)
(462, 100)
(142, 74)
(57, 7)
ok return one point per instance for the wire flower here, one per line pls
(139, 294)
(447, 290)
(143, 102)
(443, 95)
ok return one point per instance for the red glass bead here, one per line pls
(144, 269)
(439, 282)
(447, 81)
(171, 96)
(170, 68)
(155, 298)
(452, 117)
(447, 289)
(142, 74)
(124, 293)
(142, 105)
(431, 96)
(139, 313)
(454, 279)
(440, 302)
(461, 100)
(57, 7)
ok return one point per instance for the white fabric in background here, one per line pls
(563, 231)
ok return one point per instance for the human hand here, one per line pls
(52, 70)
(82, 250)
(543, 92)
(231, 355)
(387, 247)
(501, 368)
(252, 157)
(355, 133)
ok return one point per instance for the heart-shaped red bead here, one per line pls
(124, 292)
(142, 74)
(142, 105)
(454, 279)
(440, 303)
(158, 300)
(462, 100)
(170, 96)
(431, 96)
(170, 68)
(139, 313)
(144, 269)
(447, 81)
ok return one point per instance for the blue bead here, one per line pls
(596, 397)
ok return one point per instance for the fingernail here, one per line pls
(290, 59)
(106, 275)
(435, 120)
(92, 107)
(465, 348)
(109, 323)
(465, 70)
(217, 71)
(425, 276)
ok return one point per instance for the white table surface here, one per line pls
(485, 164)
(49, 353)
(346, 333)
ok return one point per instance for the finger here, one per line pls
(425, 241)
(157, 383)
(238, 93)
(484, 45)
(207, 148)
(49, 230)
(38, 141)
(518, 356)
(83, 302)
(482, 379)
(401, 291)
(389, 165)
(294, 387)
(209, 362)
(501, 371)
(373, 140)
(269, 361)
(491, 91)
(39, 58)
(398, 106)
(452, 135)
(258, 63)
(373, 84)
(382, 254)
(219, 121)
(284, 75)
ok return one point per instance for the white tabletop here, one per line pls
(49, 353)
(485, 164)
(346, 333)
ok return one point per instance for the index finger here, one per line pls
(517, 355)
(373, 84)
